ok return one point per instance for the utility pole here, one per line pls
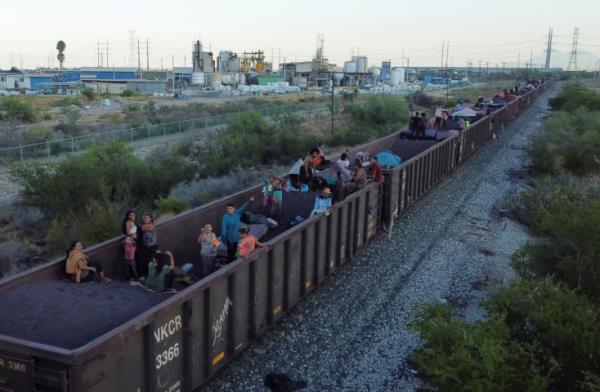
(443, 47)
(447, 78)
(107, 53)
(173, 71)
(332, 104)
(548, 50)
(519, 61)
(531, 60)
(479, 70)
(139, 59)
(487, 70)
(147, 56)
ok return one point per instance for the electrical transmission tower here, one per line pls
(549, 50)
(573, 59)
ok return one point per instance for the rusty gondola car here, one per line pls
(178, 344)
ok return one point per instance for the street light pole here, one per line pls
(332, 104)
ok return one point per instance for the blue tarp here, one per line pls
(388, 158)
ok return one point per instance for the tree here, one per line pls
(61, 46)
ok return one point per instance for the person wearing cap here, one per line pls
(248, 243)
(322, 202)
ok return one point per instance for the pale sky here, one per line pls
(491, 31)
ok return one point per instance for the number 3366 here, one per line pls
(167, 356)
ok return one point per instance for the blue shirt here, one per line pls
(230, 224)
(321, 203)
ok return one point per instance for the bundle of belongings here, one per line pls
(388, 158)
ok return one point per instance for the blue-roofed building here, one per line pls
(33, 81)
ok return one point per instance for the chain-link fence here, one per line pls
(73, 144)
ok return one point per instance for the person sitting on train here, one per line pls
(414, 123)
(343, 170)
(322, 202)
(230, 225)
(343, 161)
(376, 171)
(248, 243)
(161, 273)
(80, 268)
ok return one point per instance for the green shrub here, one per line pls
(128, 93)
(379, 114)
(104, 180)
(571, 247)
(89, 94)
(575, 96)
(37, 133)
(68, 101)
(536, 337)
(69, 123)
(168, 205)
(17, 109)
(569, 141)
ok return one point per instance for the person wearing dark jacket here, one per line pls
(230, 226)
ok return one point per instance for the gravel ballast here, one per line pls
(351, 334)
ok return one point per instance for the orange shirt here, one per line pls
(247, 245)
(316, 161)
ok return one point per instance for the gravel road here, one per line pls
(351, 334)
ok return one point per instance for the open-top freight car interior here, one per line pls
(45, 307)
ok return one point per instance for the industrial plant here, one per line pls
(245, 73)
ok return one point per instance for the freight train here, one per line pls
(59, 336)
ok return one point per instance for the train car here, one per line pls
(130, 340)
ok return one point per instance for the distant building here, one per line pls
(12, 79)
(147, 87)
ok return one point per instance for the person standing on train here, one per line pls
(129, 227)
(149, 244)
(208, 250)
(230, 226)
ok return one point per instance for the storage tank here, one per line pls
(376, 72)
(361, 63)
(397, 76)
(198, 79)
(349, 67)
(337, 76)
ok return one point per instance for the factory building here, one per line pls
(12, 79)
